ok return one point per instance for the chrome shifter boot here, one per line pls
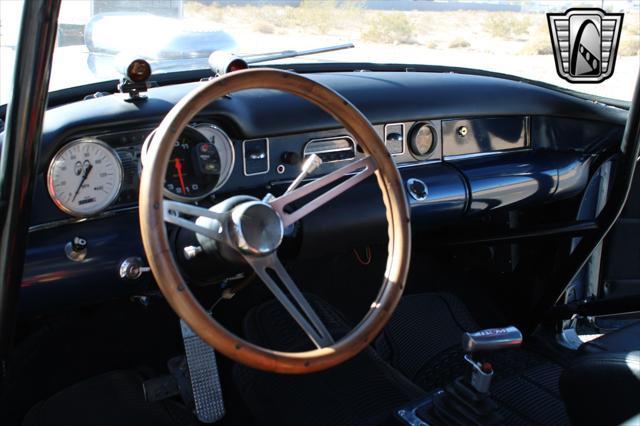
(467, 400)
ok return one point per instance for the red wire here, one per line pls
(367, 253)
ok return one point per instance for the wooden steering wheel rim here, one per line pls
(166, 272)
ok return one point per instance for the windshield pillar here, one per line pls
(18, 163)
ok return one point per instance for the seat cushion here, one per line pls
(625, 339)
(603, 389)
(114, 398)
(363, 391)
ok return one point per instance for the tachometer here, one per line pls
(84, 177)
(201, 162)
(194, 168)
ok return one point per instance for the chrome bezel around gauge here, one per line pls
(223, 177)
(413, 133)
(112, 197)
(232, 151)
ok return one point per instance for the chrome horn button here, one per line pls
(255, 228)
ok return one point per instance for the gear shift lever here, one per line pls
(467, 399)
(475, 345)
(491, 339)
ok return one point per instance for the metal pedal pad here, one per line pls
(205, 380)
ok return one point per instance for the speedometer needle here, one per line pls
(84, 177)
(180, 177)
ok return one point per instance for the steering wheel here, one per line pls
(254, 228)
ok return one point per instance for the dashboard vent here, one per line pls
(331, 149)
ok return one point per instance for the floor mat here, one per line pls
(114, 398)
(364, 390)
(532, 397)
(423, 341)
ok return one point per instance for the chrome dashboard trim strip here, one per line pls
(485, 154)
(418, 163)
(73, 220)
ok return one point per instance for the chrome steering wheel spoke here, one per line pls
(363, 168)
(172, 214)
(269, 269)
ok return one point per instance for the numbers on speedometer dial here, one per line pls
(194, 168)
(84, 177)
(201, 162)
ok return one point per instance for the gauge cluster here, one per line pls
(89, 175)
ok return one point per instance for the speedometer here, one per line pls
(84, 177)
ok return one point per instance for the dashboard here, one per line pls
(465, 145)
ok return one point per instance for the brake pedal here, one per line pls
(205, 380)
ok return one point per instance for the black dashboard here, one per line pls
(464, 145)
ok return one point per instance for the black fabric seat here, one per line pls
(625, 339)
(114, 398)
(603, 385)
(363, 391)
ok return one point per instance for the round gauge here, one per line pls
(201, 162)
(224, 146)
(84, 177)
(422, 140)
(194, 168)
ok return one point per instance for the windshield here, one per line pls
(174, 35)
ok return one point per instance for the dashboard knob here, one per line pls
(76, 249)
(191, 251)
(132, 268)
(292, 158)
